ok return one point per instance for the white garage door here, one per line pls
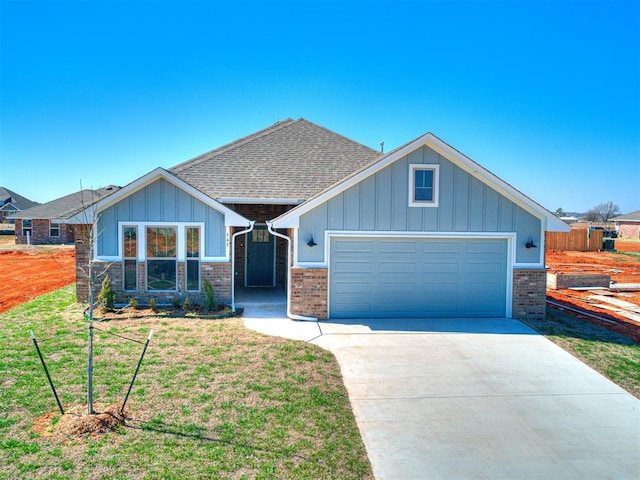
(417, 277)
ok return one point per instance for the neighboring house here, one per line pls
(628, 225)
(11, 202)
(54, 222)
(422, 231)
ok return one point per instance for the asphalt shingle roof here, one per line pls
(630, 217)
(293, 159)
(16, 200)
(68, 206)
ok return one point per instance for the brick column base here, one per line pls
(308, 293)
(529, 293)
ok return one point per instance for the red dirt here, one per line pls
(621, 268)
(27, 274)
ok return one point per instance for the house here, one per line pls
(11, 202)
(628, 225)
(350, 232)
(54, 222)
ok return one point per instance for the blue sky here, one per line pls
(545, 94)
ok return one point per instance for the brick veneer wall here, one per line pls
(309, 289)
(83, 255)
(40, 233)
(218, 274)
(629, 230)
(529, 293)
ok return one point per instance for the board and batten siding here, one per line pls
(161, 202)
(380, 203)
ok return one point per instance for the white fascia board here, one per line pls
(231, 218)
(549, 221)
(260, 201)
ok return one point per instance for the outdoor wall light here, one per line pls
(311, 243)
(530, 243)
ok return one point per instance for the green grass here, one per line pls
(614, 355)
(212, 400)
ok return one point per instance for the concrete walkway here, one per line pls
(473, 399)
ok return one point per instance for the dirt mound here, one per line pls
(76, 422)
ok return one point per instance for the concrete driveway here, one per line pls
(474, 398)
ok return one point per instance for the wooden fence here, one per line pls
(577, 240)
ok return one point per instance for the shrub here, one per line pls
(153, 305)
(176, 302)
(187, 303)
(133, 303)
(107, 297)
(210, 304)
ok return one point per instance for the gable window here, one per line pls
(54, 229)
(423, 185)
(161, 258)
(129, 255)
(193, 259)
(27, 228)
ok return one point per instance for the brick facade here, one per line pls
(40, 230)
(629, 230)
(218, 274)
(308, 293)
(529, 293)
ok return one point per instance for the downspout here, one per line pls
(290, 315)
(233, 263)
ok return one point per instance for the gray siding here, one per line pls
(380, 203)
(161, 201)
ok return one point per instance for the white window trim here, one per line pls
(29, 228)
(436, 184)
(59, 227)
(198, 258)
(135, 259)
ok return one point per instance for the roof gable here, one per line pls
(288, 162)
(231, 218)
(69, 206)
(18, 201)
(550, 221)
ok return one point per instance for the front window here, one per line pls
(130, 254)
(161, 258)
(423, 185)
(54, 229)
(193, 259)
(27, 230)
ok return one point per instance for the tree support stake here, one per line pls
(44, 365)
(135, 374)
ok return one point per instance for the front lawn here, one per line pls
(212, 400)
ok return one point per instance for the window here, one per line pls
(161, 258)
(54, 229)
(193, 259)
(130, 254)
(27, 230)
(260, 235)
(423, 185)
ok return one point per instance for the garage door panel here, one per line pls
(349, 288)
(350, 267)
(417, 277)
(396, 288)
(393, 247)
(390, 267)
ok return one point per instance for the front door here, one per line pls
(260, 258)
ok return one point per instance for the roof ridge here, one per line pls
(230, 146)
(336, 133)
